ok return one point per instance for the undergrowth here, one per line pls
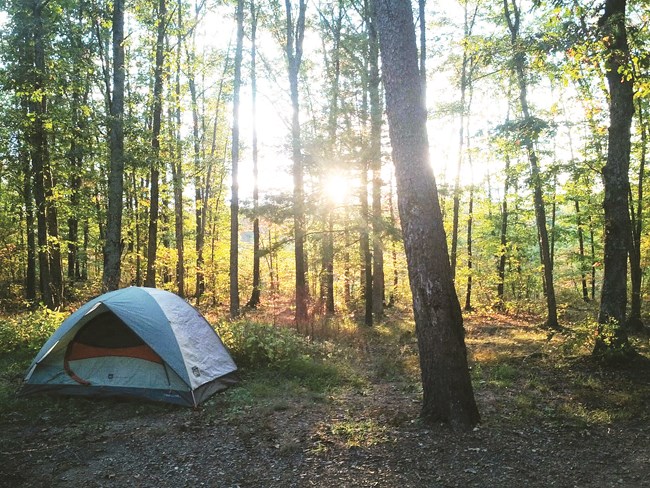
(520, 372)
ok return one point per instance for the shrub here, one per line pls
(29, 331)
(255, 345)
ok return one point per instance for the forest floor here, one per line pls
(550, 418)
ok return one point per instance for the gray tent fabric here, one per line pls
(140, 342)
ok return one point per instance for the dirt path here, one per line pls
(302, 446)
(353, 438)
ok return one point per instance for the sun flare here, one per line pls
(336, 188)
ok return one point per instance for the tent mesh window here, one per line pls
(107, 335)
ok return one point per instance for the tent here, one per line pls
(138, 342)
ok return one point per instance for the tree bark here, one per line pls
(634, 322)
(581, 250)
(113, 246)
(28, 198)
(154, 210)
(376, 111)
(177, 166)
(519, 60)
(611, 342)
(448, 394)
(41, 164)
(254, 300)
(234, 192)
(293, 49)
(503, 236)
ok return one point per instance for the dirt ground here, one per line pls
(356, 438)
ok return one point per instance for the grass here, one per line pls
(520, 374)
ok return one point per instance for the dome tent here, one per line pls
(138, 342)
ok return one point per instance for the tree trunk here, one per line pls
(513, 20)
(327, 281)
(470, 219)
(376, 111)
(254, 300)
(393, 223)
(177, 167)
(612, 342)
(234, 193)
(152, 243)
(364, 247)
(294, 59)
(581, 250)
(501, 268)
(634, 321)
(40, 160)
(448, 395)
(30, 276)
(113, 246)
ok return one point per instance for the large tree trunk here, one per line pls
(448, 394)
(152, 243)
(295, 36)
(234, 192)
(611, 342)
(113, 246)
(512, 15)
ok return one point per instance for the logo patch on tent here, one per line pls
(196, 371)
(110, 376)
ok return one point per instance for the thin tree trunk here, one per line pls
(154, 210)
(364, 243)
(376, 111)
(581, 250)
(254, 300)
(177, 165)
(295, 35)
(30, 276)
(513, 20)
(634, 321)
(234, 192)
(593, 258)
(470, 219)
(503, 233)
(448, 394)
(113, 246)
(40, 156)
(393, 223)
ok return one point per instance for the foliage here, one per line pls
(29, 331)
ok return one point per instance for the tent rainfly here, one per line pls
(137, 342)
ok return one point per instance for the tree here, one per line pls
(612, 342)
(152, 245)
(376, 110)
(177, 162)
(113, 245)
(448, 394)
(295, 34)
(530, 127)
(634, 321)
(254, 300)
(234, 195)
